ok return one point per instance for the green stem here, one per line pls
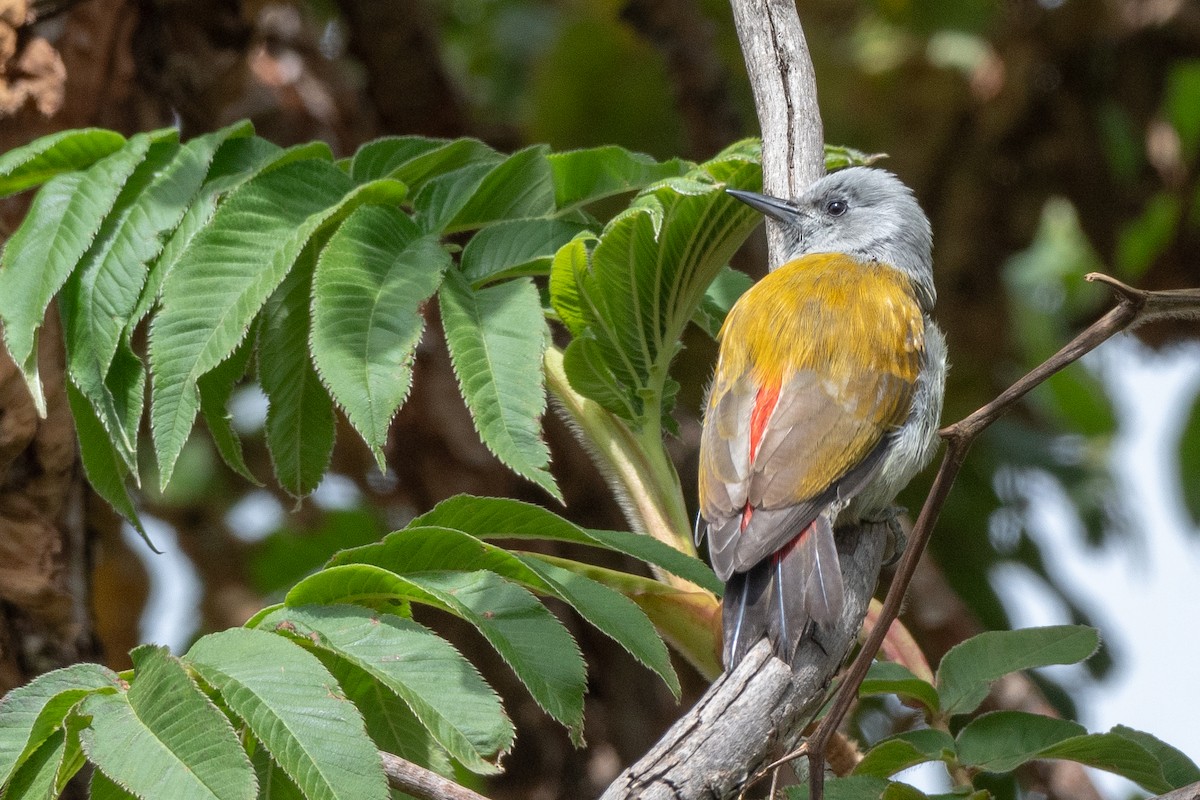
(637, 468)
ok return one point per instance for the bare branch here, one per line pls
(785, 95)
(1191, 792)
(405, 776)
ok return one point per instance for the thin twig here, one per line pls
(405, 776)
(1134, 307)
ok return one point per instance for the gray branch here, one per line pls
(755, 714)
(785, 95)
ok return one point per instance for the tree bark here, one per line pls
(756, 713)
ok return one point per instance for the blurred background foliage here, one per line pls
(1046, 139)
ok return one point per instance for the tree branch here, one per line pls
(785, 95)
(405, 776)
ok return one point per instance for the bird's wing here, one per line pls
(781, 444)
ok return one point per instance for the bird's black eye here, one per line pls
(835, 208)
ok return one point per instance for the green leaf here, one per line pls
(424, 549)
(216, 387)
(225, 275)
(103, 788)
(527, 636)
(164, 737)
(38, 775)
(300, 420)
(44, 158)
(59, 228)
(273, 782)
(646, 279)
(1116, 754)
(722, 293)
(31, 714)
(968, 669)
(1188, 461)
(504, 518)
(520, 186)
(1178, 769)
(584, 176)
(99, 298)
(568, 264)
(239, 159)
(905, 750)
(515, 247)
(415, 159)
(443, 196)
(497, 338)
(291, 704)
(859, 787)
(103, 465)
(443, 690)
(370, 285)
(888, 677)
(1003, 740)
(391, 724)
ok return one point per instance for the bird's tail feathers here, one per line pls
(782, 596)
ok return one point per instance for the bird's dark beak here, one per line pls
(773, 207)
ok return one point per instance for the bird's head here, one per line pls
(861, 211)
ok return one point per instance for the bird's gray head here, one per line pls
(861, 211)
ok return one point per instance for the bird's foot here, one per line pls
(897, 539)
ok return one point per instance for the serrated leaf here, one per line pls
(238, 160)
(645, 280)
(442, 196)
(370, 285)
(568, 262)
(415, 159)
(273, 782)
(99, 298)
(37, 777)
(515, 247)
(226, 274)
(104, 467)
(425, 549)
(888, 677)
(216, 387)
(520, 186)
(968, 669)
(59, 228)
(1177, 768)
(30, 714)
(497, 337)
(103, 788)
(164, 737)
(291, 704)
(527, 636)
(584, 176)
(66, 151)
(300, 425)
(443, 690)
(391, 724)
(504, 518)
(905, 750)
